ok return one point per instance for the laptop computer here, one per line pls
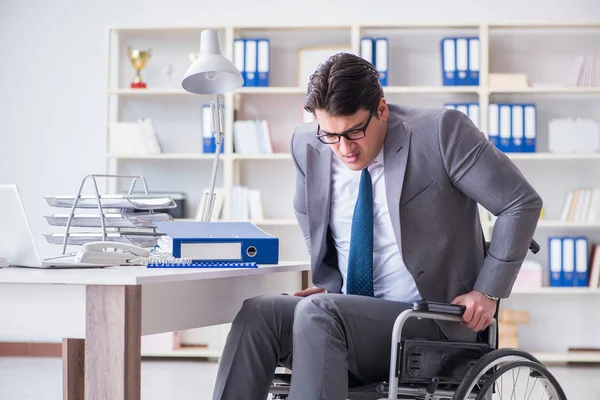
(17, 244)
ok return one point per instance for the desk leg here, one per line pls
(112, 344)
(73, 355)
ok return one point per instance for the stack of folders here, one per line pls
(134, 138)
(246, 204)
(251, 57)
(569, 262)
(460, 61)
(513, 127)
(586, 71)
(471, 110)
(582, 204)
(209, 143)
(375, 51)
(252, 137)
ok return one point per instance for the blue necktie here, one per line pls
(360, 260)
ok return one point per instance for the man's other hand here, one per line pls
(479, 310)
(309, 291)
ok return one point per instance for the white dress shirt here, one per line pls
(391, 279)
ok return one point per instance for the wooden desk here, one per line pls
(102, 314)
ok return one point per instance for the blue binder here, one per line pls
(555, 248)
(474, 58)
(263, 62)
(530, 128)
(221, 241)
(448, 51)
(239, 57)
(581, 275)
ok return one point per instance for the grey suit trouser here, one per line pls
(329, 341)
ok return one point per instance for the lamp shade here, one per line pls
(211, 73)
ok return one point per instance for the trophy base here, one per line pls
(138, 85)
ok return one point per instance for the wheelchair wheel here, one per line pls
(511, 373)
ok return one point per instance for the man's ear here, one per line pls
(383, 110)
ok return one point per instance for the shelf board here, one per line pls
(167, 156)
(271, 90)
(553, 156)
(549, 89)
(430, 89)
(186, 352)
(556, 290)
(147, 92)
(567, 224)
(575, 356)
(274, 156)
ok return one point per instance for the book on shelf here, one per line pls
(252, 137)
(581, 204)
(134, 138)
(247, 204)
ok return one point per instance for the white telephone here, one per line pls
(103, 253)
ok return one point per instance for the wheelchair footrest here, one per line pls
(423, 360)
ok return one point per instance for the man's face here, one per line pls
(356, 154)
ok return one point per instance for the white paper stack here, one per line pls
(252, 137)
(586, 70)
(573, 135)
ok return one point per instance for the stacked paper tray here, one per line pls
(114, 201)
(111, 220)
(79, 239)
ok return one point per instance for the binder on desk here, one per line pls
(221, 241)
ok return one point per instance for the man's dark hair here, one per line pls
(342, 85)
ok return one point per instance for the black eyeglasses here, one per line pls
(350, 134)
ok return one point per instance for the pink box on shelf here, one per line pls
(161, 342)
(530, 276)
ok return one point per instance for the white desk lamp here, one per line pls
(213, 74)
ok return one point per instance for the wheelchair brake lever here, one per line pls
(431, 388)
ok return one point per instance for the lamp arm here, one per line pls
(216, 107)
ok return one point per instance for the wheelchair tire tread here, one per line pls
(486, 360)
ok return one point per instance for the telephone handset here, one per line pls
(108, 253)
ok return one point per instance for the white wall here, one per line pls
(53, 71)
(53, 68)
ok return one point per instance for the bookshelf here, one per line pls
(544, 51)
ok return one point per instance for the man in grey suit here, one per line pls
(387, 198)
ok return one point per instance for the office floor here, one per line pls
(41, 378)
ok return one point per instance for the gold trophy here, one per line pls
(138, 59)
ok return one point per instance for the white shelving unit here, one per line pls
(543, 51)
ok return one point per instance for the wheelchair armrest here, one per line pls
(439, 308)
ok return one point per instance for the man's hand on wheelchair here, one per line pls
(479, 310)
(309, 291)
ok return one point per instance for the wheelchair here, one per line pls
(447, 370)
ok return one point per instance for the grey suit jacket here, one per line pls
(438, 166)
